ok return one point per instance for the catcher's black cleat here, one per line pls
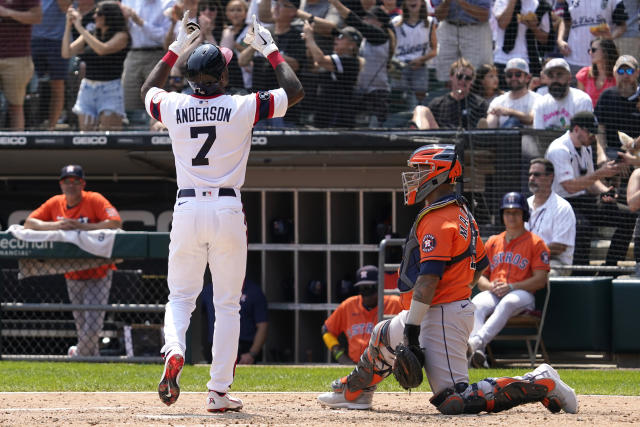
(169, 389)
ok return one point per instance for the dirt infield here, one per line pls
(296, 409)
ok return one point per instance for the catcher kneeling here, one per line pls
(443, 259)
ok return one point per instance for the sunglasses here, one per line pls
(98, 13)
(464, 77)
(592, 50)
(212, 9)
(516, 74)
(625, 70)
(176, 79)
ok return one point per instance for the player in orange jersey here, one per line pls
(356, 316)
(443, 259)
(76, 209)
(518, 267)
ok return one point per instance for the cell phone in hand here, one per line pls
(613, 154)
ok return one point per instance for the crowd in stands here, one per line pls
(562, 65)
(79, 64)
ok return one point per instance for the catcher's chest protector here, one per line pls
(410, 265)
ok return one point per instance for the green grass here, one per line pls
(66, 376)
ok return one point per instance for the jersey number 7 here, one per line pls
(210, 131)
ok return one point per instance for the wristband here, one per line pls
(275, 58)
(510, 287)
(170, 58)
(417, 312)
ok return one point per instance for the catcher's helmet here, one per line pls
(435, 165)
(515, 200)
(205, 61)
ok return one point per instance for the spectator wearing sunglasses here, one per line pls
(594, 203)
(618, 109)
(596, 78)
(551, 217)
(514, 108)
(457, 109)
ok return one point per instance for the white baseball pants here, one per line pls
(207, 228)
(492, 313)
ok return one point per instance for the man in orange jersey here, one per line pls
(518, 267)
(443, 259)
(356, 316)
(76, 209)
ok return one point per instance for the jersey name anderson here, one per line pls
(211, 136)
(200, 114)
(509, 258)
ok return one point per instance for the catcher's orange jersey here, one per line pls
(443, 234)
(357, 322)
(515, 261)
(93, 208)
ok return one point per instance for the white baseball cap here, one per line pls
(557, 63)
(517, 64)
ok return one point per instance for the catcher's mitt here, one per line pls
(408, 366)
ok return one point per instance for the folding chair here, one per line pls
(527, 326)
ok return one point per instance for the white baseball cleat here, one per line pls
(337, 399)
(169, 388)
(561, 396)
(221, 402)
(73, 351)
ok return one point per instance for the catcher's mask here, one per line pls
(434, 165)
(514, 200)
(205, 67)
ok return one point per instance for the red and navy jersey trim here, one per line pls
(264, 106)
(154, 108)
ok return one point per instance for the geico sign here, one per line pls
(258, 140)
(89, 140)
(160, 140)
(13, 140)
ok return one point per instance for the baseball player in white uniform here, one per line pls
(211, 137)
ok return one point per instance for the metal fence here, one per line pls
(89, 317)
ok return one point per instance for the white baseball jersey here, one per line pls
(413, 41)
(520, 48)
(554, 222)
(523, 104)
(569, 162)
(584, 15)
(210, 139)
(550, 113)
(211, 135)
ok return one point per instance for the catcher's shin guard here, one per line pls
(371, 368)
(490, 395)
(511, 392)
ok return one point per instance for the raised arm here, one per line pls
(261, 40)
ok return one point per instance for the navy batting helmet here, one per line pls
(515, 200)
(207, 60)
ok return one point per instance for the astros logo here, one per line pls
(428, 243)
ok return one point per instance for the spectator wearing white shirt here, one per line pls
(551, 217)
(555, 109)
(521, 25)
(629, 42)
(514, 108)
(593, 202)
(581, 24)
(148, 26)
